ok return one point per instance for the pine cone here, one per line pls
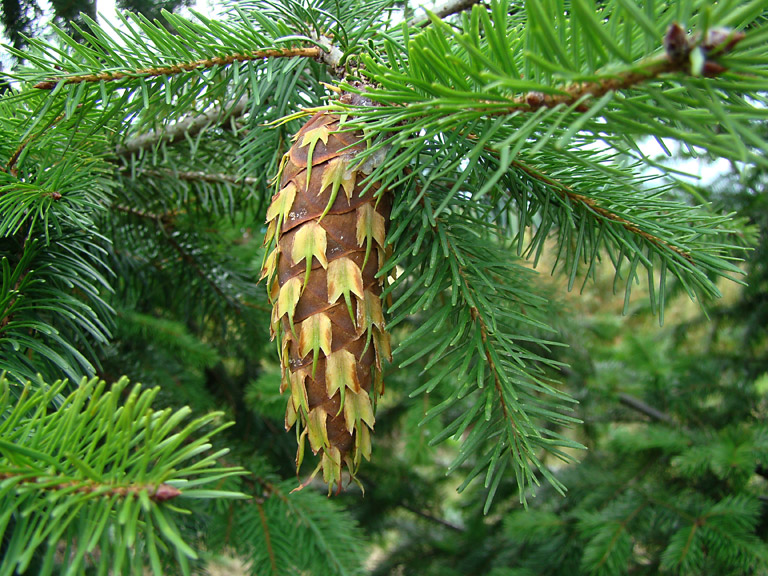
(328, 247)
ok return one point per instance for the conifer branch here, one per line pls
(300, 532)
(302, 52)
(491, 364)
(10, 167)
(199, 176)
(187, 126)
(675, 59)
(155, 492)
(643, 408)
(198, 269)
(595, 208)
(449, 8)
(267, 537)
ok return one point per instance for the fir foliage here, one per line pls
(301, 533)
(103, 472)
(135, 168)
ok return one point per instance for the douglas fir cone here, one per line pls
(328, 245)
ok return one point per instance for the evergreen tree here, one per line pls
(674, 480)
(137, 170)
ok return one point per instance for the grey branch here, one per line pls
(431, 518)
(445, 10)
(198, 176)
(640, 406)
(332, 55)
(189, 125)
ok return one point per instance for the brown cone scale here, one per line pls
(327, 315)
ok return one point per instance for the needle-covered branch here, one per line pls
(515, 127)
(269, 529)
(155, 492)
(508, 63)
(307, 52)
(482, 360)
(96, 457)
(592, 205)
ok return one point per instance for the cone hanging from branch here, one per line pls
(325, 245)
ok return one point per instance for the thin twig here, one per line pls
(476, 316)
(648, 410)
(678, 48)
(267, 536)
(304, 52)
(190, 259)
(165, 218)
(581, 94)
(11, 166)
(7, 316)
(431, 518)
(590, 203)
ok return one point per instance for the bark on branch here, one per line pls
(444, 10)
(187, 126)
(304, 52)
(155, 492)
(199, 176)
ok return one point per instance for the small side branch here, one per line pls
(478, 317)
(192, 261)
(11, 167)
(431, 518)
(187, 126)
(267, 536)
(491, 364)
(643, 408)
(594, 207)
(7, 314)
(305, 52)
(676, 59)
(163, 219)
(199, 176)
(586, 92)
(155, 492)
(566, 192)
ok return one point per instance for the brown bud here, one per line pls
(535, 99)
(721, 40)
(710, 69)
(676, 44)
